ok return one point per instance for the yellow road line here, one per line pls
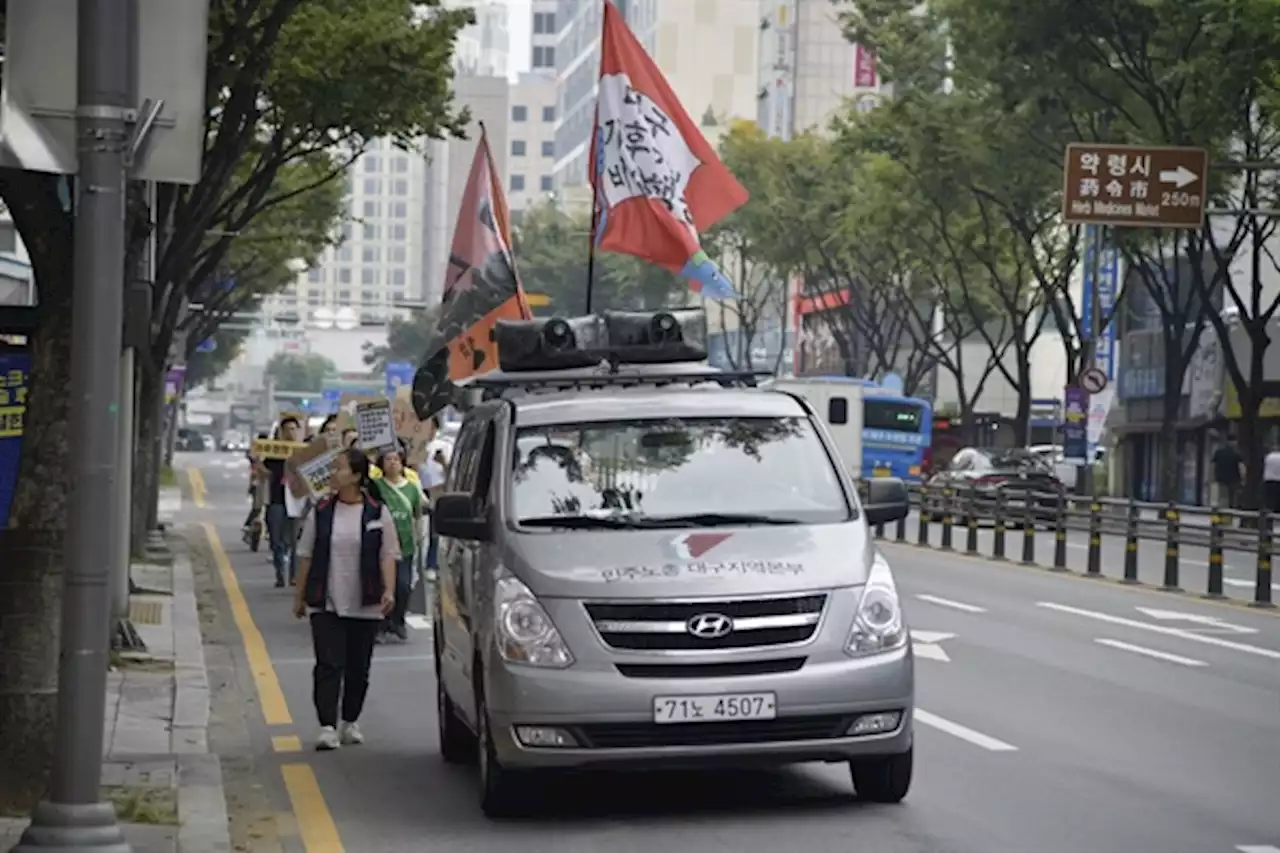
(198, 489)
(286, 743)
(270, 695)
(315, 822)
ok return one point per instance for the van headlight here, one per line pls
(525, 633)
(878, 626)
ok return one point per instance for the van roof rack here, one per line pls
(496, 384)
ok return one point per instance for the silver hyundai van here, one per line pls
(649, 564)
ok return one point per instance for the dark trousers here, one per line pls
(344, 653)
(1271, 491)
(283, 540)
(404, 588)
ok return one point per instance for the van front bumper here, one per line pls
(598, 717)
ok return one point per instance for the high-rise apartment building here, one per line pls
(484, 48)
(542, 48)
(531, 141)
(808, 70)
(706, 49)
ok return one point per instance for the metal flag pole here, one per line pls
(74, 818)
(596, 200)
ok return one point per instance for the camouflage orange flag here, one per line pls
(481, 287)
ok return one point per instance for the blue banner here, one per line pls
(14, 379)
(398, 373)
(1075, 433)
(1108, 290)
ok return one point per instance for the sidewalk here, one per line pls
(158, 770)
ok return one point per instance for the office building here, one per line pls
(484, 48)
(707, 50)
(542, 48)
(17, 282)
(531, 131)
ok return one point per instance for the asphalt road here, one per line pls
(1057, 715)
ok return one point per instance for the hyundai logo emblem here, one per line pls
(709, 626)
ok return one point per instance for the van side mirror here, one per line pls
(455, 516)
(886, 500)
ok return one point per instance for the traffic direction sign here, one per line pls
(1093, 380)
(1134, 185)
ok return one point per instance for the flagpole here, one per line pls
(595, 153)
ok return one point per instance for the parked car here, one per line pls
(1009, 477)
(1065, 472)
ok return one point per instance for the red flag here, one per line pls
(481, 287)
(657, 180)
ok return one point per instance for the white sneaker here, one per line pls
(328, 739)
(351, 734)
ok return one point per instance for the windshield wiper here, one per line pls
(584, 522)
(715, 519)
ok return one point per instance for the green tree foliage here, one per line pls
(551, 249)
(407, 341)
(205, 368)
(294, 373)
(290, 84)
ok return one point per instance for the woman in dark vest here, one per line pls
(346, 584)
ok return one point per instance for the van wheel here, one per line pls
(882, 778)
(456, 740)
(502, 792)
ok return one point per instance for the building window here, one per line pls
(368, 296)
(370, 164)
(397, 232)
(519, 113)
(397, 279)
(544, 23)
(370, 231)
(517, 148)
(344, 275)
(548, 148)
(399, 295)
(372, 186)
(400, 165)
(396, 254)
(544, 57)
(372, 208)
(344, 254)
(399, 210)
(369, 275)
(544, 183)
(316, 275)
(549, 113)
(344, 296)
(517, 183)
(401, 187)
(315, 293)
(371, 255)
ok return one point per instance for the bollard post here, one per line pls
(922, 534)
(1060, 535)
(1131, 543)
(1171, 547)
(1002, 506)
(1262, 591)
(1215, 555)
(1028, 533)
(900, 533)
(971, 521)
(1094, 569)
(946, 519)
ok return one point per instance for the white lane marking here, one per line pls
(925, 644)
(1196, 619)
(418, 622)
(1257, 848)
(954, 605)
(1246, 584)
(1151, 653)
(963, 732)
(1161, 629)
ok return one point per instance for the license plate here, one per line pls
(715, 708)
(882, 472)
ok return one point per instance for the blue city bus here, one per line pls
(897, 435)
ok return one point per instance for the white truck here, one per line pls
(838, 401)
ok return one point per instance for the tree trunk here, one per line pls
(1170, 464)
(32, 545)
(147, 456)
(1022, 416)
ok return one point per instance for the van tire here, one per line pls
(502, 790)
(882, 778)
(457, 744)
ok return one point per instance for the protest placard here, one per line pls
(298, 466)
(269, 448)
(373, 423)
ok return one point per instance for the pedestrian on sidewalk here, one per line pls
(1271, 478)
(403, 496)
(346, 585)
(279, 527)
(1228, 472)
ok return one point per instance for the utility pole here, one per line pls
(74, 819)
(1088, 482)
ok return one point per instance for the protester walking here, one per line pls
(279, 528)
(1228, 472)
(403, 497)
(1271, 478)
(346, 585)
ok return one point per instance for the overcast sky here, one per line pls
(520, 26)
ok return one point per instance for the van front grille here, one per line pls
(681, 625)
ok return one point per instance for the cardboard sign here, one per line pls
(347, 404)
(314, 474)
(373, 422)
(298, 481)
(267, 448)
(415, 433)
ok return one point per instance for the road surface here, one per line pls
(1057, 715)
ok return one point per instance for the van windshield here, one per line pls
(678, 472)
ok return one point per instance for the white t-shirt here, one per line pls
(343, 595)
(431, 472)
(1271, 467)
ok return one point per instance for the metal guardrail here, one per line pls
(1175, 525)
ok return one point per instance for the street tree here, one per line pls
(288, 81)
(293, 373)
(407, 340)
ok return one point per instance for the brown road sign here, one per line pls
(1134, 185)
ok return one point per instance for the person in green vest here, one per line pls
(402, 496)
